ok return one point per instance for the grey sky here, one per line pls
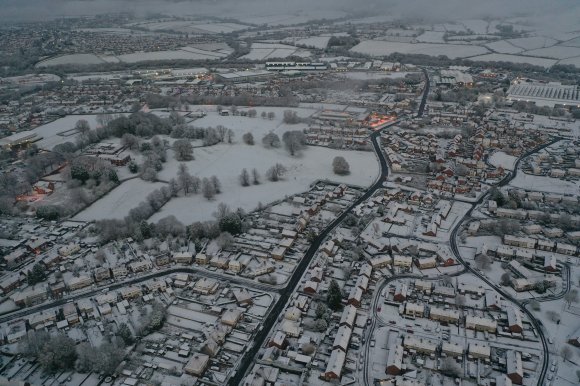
(563, 14)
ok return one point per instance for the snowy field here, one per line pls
(506, 161)
(556, 52)
(504, 47)
(119, 201)
(431, 37)
(262, 51)
(192, 26)
(184, 53)
(319, 42)
(50, 131)
(532, 43)
(542, 62)
(226, 162)
(545, 184)
(81, 59)
(383, 48)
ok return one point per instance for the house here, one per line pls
(420, 345)
(492, 300)
(231, 317)
(242, 296)
(550, 263)
(69, 249)
(515, 323)
(452, 349)
(9, 283)
(75, 283)
(197, 364)
(478, 323)
(395, 360)
(479, 351)
(102, 273)
(278, 340)
(342, 338)
(566, 249)
(414, 310)
(310, 287)
(183, 257)
(130, 292)
(348, 316)
(335, 365)
(515, 371)
(401, 290)
(206, 286)
(355, 296)
(201, 259)
(426, 263)
(444, 315)
(402, 261)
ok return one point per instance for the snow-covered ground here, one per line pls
(50, 131)
(383, 48)
(226, 162)
(373, 75)
(119, 201)
(542, 62)
(545, 184)
(506, 161)
(262, 51)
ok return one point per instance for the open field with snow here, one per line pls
(383, 48)
(119, 201)
(50, 131)
(545, 184)
(506, 161)
(263, 51)
(184, 53)
(504, 47)
(542, 62)
(556, 52)
(226, 162)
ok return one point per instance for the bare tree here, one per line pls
(553, 315)
(255, 176)
(571, 296)
(252, 113)
(207, 189)
(248, 138)
(245, 178)
(217, 186)
(340, 166)
(271, 140)
(566, 353)
(482, 262)
(294, 141)
(506, 278)
(183, 150)
(230, 136)
(184, 178)
(221, 132)
(271, 115)
(83, 127)
(264, 115)
(275, 172)
(225, 240)
(130, 141)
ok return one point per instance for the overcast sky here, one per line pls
(563, 14)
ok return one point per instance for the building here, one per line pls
(231, 317)
(515, 323)
(479, 351)
(454, 350)
(401, 291)
(395, 360)
(444, 315)
(414, 310)
(75, 283)
(480, 323)
(348, 316)
(197, 364)
(420, 345)
(278, 340)
(335, 365)
(206, 286)
(544, 94)
(130, 292)
(183, 257)
(342, 338)
(515, 371)
(102, 273)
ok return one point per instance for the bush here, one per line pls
(248, 138)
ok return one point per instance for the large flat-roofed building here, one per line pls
(244, 76)
(545, 94)
(197, 364)
(20, 138)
